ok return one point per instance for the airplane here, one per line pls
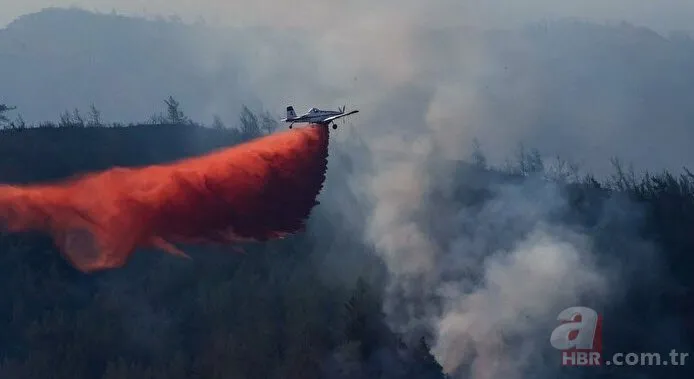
(316, 116)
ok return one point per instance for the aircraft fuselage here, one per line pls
(316, 118)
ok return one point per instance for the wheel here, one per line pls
(291, 126)
(334, 126)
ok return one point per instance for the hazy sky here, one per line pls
(662, 15)
(386, 58)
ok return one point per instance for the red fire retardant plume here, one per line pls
(259, 190)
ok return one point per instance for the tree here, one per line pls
(4, 108)
(65, 120)
(77, 119)
(362, 317)
(250, 127)
(562, 170)
(268, 124)
(217, 122)
(622, 180)
(528, 163)
(427, 366)
(19, 122)
(174, 113)
(157, 119)
(94, 117)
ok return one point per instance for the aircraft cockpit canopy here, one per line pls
(313, 110)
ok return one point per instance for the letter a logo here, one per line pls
(579, 330)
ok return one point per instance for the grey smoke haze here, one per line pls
(663, 15)
(583, 91)
(488, 283)
(426, 87)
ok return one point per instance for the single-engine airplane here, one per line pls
(316, 116)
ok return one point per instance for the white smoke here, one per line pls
(520, 293)
(489, 291)
(471, 296)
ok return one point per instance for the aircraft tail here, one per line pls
(290, 112)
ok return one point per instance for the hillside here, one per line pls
(278, 311)
(169, 319)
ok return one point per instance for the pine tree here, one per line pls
(94, 119)
(250, 127)
(174, 113)
(4, 108)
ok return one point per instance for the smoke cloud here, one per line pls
(476, 279)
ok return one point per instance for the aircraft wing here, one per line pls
(339, 116)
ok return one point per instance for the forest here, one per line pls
(274, 312)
